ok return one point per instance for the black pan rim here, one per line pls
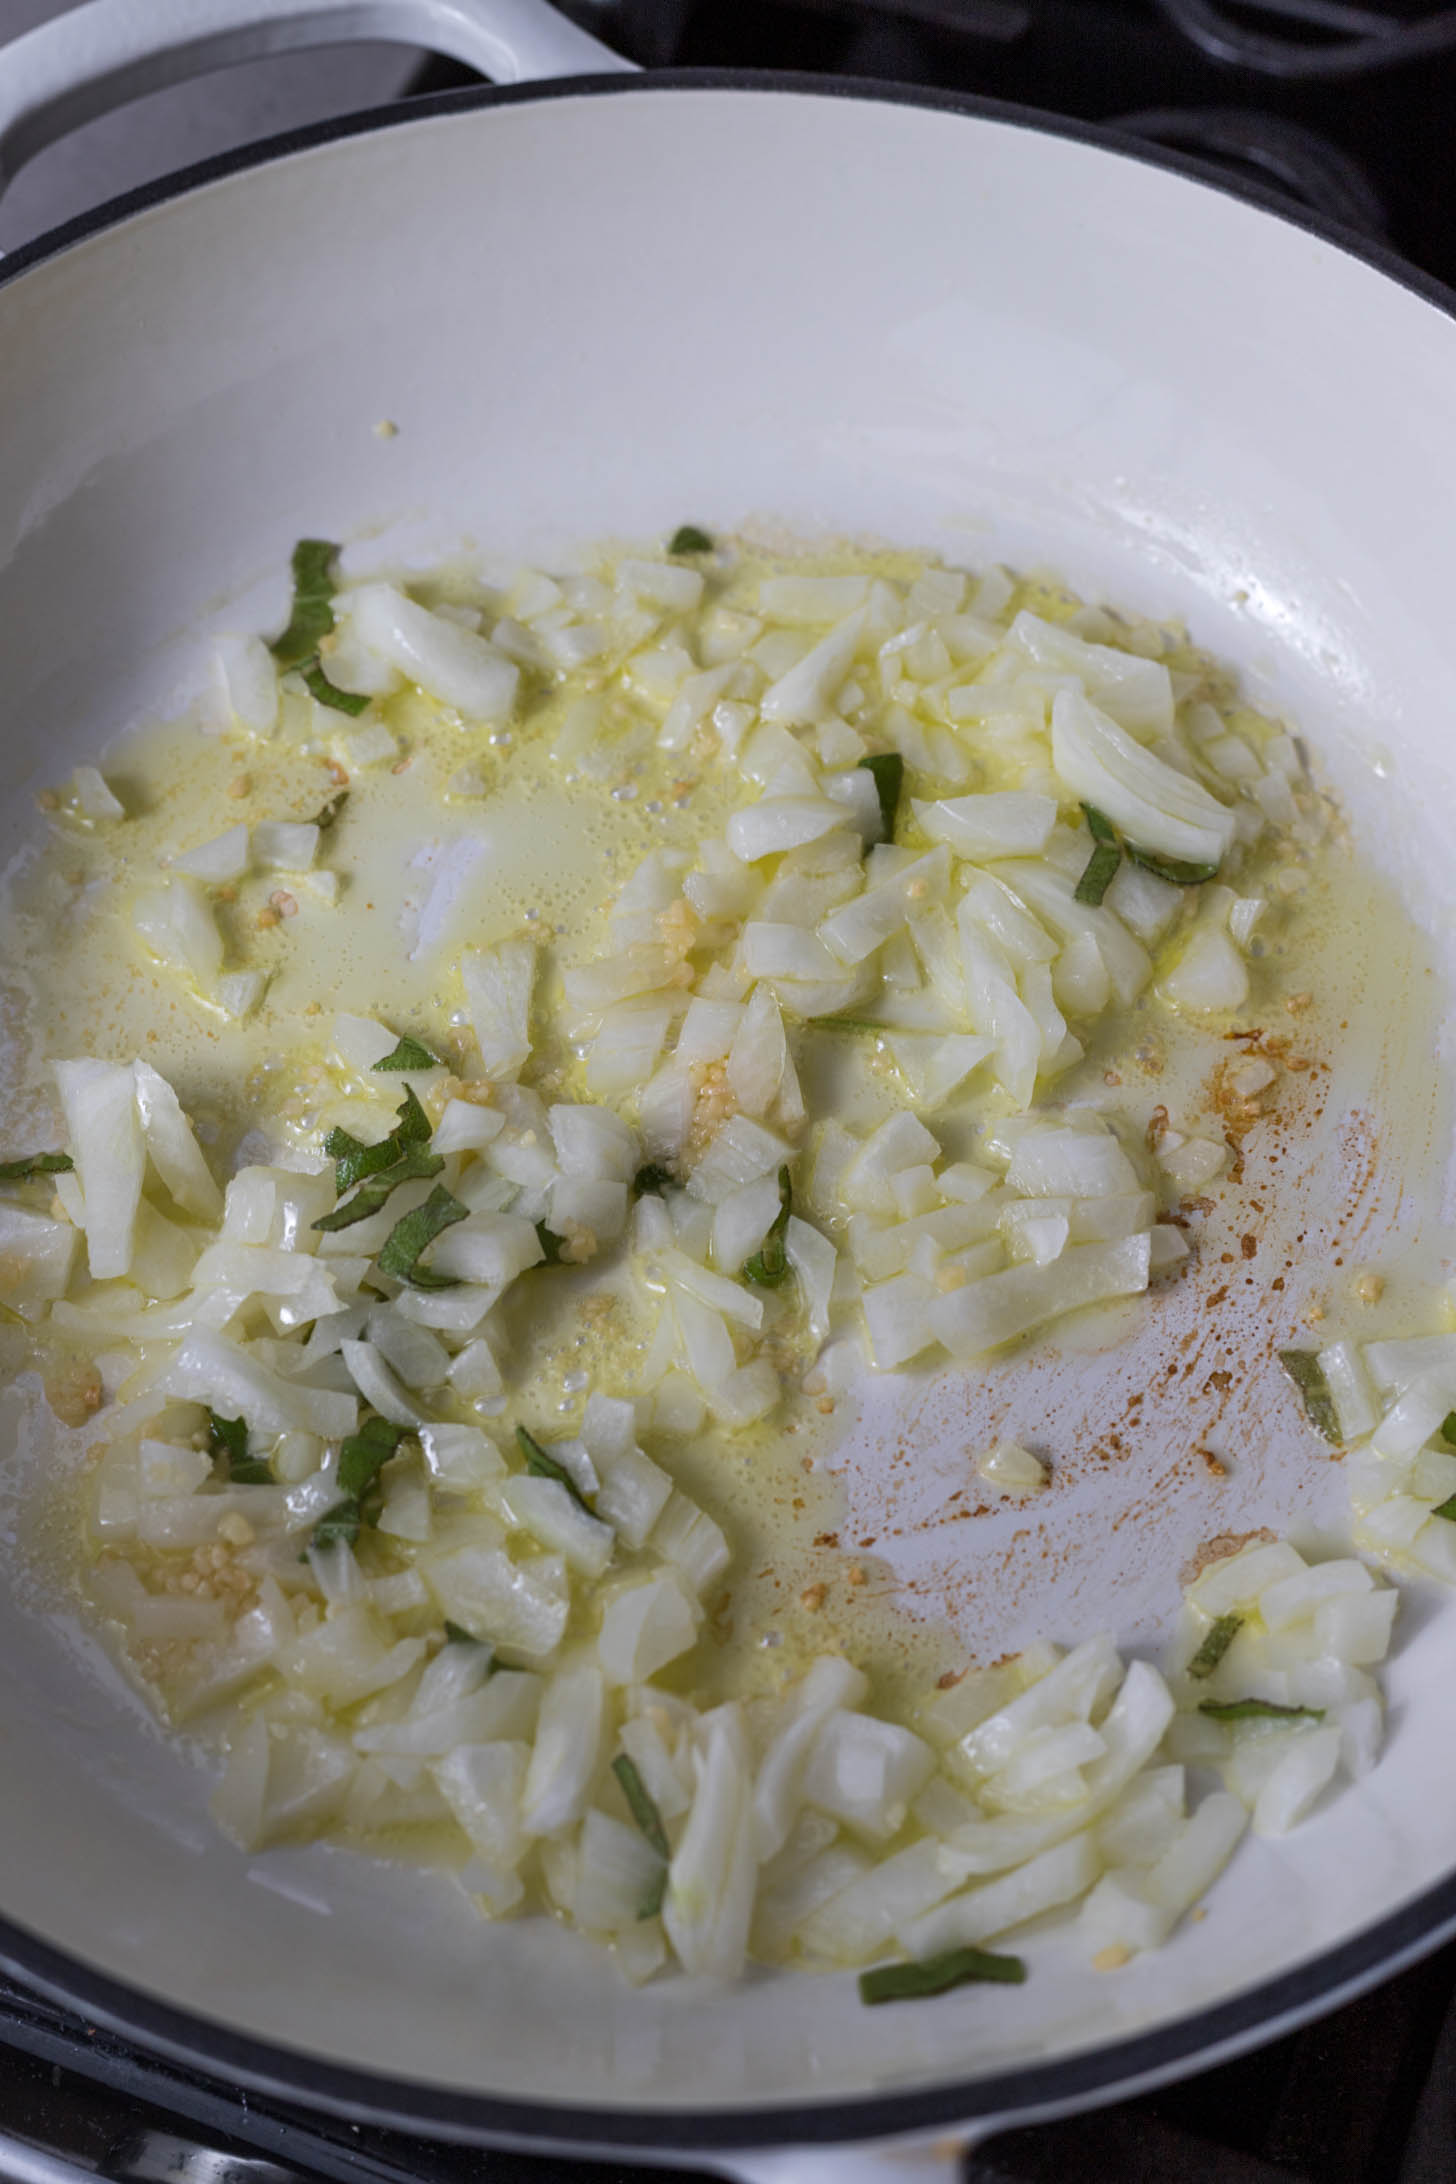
(1008, 2098)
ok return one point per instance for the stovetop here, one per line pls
(1349, 109)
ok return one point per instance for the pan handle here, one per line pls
(929, 2161)
(93, 58)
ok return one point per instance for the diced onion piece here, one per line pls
(866, 1773)
(1058, 1876)
(498, 986)
(284, 845)
(455, 665)
(1209, 976)
(521, 1606)
(564, 1757)
(1157, 808)
(1012, 1469)
(807, 691)
(107, 1145)
(171, 1146)
(1000, 1307)
(713, 1874)
(175, 920)
(1006, 823)
(644, 1628)
(546, 1509)
(224, 859)
(247, 684)
(777, 823)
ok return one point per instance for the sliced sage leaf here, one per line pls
(317, 684)
(1216, 1642)
(887, 770)
(227, 1444)
(363, 1455)
(688, 539)
(408, 1054)
(327, 813)
(339, 1523)
(1257, 1710)
(1308, 1375)
(312, 618)
(415, 1162)
(652, 1180)
(543, 1465)
(400, 1254)
(641, 1804)
(1098, 874)
(1172, 869)
(770, 1263)
(551, 1244)
(938, 1974)
(32, 1165)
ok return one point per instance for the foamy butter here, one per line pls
(1165, 1421)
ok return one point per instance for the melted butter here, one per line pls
(542, 848)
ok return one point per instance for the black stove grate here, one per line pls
(1349, 109)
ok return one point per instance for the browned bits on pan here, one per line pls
(1218, 1550)
(813, 1597)
(1297, 1003)
(240, 786)
(267, 917)
(1370, 1288)
(1215, 1464)
(1157, 1124)
(1248, 1245)
(336, 773)
(73, 1391)
(285, 904)
(856, 1575)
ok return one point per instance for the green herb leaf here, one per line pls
(416, 1161)
(352, 702)
(1257, 1710)
(409, 1054)
(938, 1974)
(1448, 1428)
(339, 1523)
(34, 1164)
(641, 1804)
(688, 539)
(1172, 869)
(643, 1809)
(887, 770)
(1099, 826)
(652, 1180)
(413, 1126)
(1217, 1640)
(352, 1159)
(227, 1444)
(847, 1023)
(1098, 874)
(651, 1902)
(1307, 1373)
(552, 1244)
(1447, 1509)
(457, 1635)
(399, 1256)
(313, 603)
(327, 813)
(543, 1465)
(770, 1263)
(364, 1455)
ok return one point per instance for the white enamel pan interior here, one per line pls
(603, 307)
